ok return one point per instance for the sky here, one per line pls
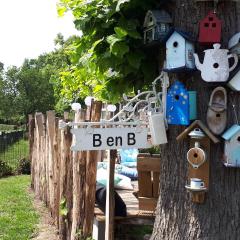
(28, 28)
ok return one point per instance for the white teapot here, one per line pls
(215, 67)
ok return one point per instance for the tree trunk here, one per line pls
(177, 217)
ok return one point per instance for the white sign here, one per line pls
(109, 138)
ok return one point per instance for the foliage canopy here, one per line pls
(109, 58)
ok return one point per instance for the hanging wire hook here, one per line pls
(215, 6)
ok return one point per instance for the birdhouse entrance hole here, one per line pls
(215, 65)
(238, 138)
(175, 44)
(195, 155)
(177, 97)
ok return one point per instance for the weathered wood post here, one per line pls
(92, 158)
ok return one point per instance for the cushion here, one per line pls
(128, 155)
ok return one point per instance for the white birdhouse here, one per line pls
(179, 52)
(232, 146)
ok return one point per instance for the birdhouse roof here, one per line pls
(231, 132)
(235, 39)
(160, 16)
(185, 35)
(213, 15)
(197, 124)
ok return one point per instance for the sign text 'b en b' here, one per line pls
(109, 138)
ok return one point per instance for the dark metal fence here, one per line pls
(13, 148)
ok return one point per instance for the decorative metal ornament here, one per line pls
(179, 52)
(197, 133)
(210, 29)
(157, 24)
(215, 67)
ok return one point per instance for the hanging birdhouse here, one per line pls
(157, 24)
(234, 82)
(179, 52)
(232, 147)
(210, 29)
(234, 44)
(215, 66)
(181, 105)
(198, 159)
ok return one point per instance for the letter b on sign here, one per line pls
(131, 139)
(97, 140)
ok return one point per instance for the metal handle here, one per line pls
(233, 55)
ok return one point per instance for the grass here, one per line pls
(14, 153)
(18, 218)
(5, 127)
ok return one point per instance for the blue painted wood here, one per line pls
(178, 105)
(192, 105)
(232, 146)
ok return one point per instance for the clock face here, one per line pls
(178, 105)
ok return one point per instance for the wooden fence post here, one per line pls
(92, 159)
(79, 173)
(31, 125)
(65, 220)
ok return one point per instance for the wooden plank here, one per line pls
(147, 204)
(148, 164)
(145, 184)
(31, 125)
(156, 177)
(92, 159)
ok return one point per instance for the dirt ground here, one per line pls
(46, 229)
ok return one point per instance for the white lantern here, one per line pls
(88, 100)
(111, 108)
(76, 106)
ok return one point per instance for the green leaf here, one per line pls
(135, 58)
(119, 49)
(61, 10)
(120, 2)
(112, 39)
(120, 32)
(63, 212)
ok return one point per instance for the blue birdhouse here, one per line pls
(181, 105)
(179, 52)
(157, 24)
(232, 146)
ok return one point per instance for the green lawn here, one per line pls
(18, 218)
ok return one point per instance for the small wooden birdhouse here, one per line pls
(210, 29)
(179, 52)
(198, 159)
(181, 105)
(232, 147)
(157, 24)
(234, 44)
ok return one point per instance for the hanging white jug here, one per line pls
(157, 128)
(215, 67)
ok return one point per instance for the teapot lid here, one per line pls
(197, 133)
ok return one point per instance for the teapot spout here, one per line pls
(197, 62)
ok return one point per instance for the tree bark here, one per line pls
(177, 217)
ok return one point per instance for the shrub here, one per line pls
(24, 166)
(5, 170)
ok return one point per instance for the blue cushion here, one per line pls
(128, 155)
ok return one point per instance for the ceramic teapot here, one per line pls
(215, 67)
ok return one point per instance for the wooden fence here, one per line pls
(64, 180)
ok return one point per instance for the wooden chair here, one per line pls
(148, 167)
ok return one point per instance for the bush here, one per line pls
(5, 170)
(24, 166)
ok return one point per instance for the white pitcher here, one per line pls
(215, 67)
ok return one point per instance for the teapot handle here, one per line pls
(235, 61)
